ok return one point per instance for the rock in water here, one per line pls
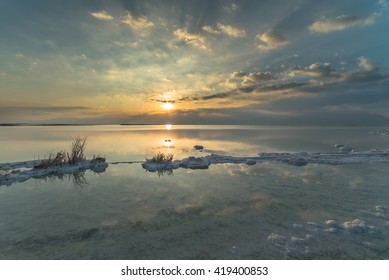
(198, 147)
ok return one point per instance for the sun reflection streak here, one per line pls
(168, 126)
(168, 143)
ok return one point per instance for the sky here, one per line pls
(195, 62)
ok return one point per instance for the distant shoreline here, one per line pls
(42, 124)
(163, 124)
(68, 124)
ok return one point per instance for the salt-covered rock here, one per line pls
(27, 170)
(250, 162)
(156, 166)
(358, 226)
(277, 239)
(195, 163)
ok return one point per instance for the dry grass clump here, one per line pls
(76, 155)
(98, 158)
(161, 158)
(57, 160)
(77, 150)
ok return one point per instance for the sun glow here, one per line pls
(168, 126)
(167, 106)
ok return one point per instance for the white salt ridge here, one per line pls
(9, 175)
(383, 133)
(22, 171)
(297, 159)
(300, 245)
(291, 245)
(382, 212)
(189, 163)
(356, 226)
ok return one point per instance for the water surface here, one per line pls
(229, 211)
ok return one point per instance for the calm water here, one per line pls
(230, 211)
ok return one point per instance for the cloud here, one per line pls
(194, 40)
(253, 92)
(383, 4)
(162, 100)
(229, 30)
(239, 74)
(369, 72)
(366, 64)
(137, 23)
(271, 40)
(229, 9)
(267, 87)
(102, 15)
(342, 22)
(365, 76)
(41, 113)
(253, 78)
(315, 69)
(209, 29)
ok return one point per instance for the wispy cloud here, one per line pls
(228, 30)
(253, 78)
(255, 92)
(192, 39)
(229, 9)
(365, 64)
(315, 69)
(384, 5)
(271, 39)
(102, 15)
(342, 22)
(368, 72)
(137, 23)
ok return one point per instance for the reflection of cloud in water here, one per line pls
(309, 174)
(356, 182)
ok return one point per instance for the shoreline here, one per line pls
(21, 171)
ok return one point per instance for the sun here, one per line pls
(167, 106)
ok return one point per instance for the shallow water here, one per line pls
(230, 211)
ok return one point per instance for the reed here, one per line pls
(161, 158)
(76, 155)
(77, 150)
